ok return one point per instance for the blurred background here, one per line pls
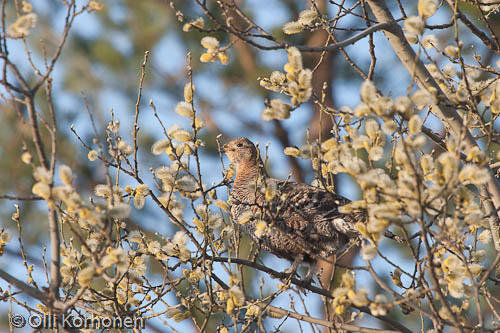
(101, 64)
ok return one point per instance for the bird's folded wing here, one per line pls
(312, 211)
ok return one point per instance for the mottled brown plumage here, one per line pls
(302, 222)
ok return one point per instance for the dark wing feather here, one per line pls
(312, 212)
(303, 219)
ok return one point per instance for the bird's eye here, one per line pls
(239, 145)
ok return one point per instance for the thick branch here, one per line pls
(33, 292)
(53, 223)
(445, 111)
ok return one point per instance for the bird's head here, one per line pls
(241, 152)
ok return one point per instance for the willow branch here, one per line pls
(323, 322)
(26, 288)
(444, 111)
(316, 290)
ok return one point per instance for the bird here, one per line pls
(295, 221)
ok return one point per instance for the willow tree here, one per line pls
(424, 162)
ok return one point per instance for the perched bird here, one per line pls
(295, 221)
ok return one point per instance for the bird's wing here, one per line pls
(312, 210)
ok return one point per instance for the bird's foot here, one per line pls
(392, 236)
(295, 265)
(311, 272)
(307, 281)
(292, 271)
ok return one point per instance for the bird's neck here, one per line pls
(246, 174)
